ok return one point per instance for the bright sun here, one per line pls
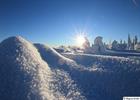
(80, 40)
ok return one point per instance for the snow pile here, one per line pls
(24, 75)
(52, 57)
(67, 67)
(97, 76)
(65, 86)
(38, 72)
(89, 59)
(107, 77)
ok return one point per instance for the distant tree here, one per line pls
(86, 43)
(129, 42)
(124, 42)
(133, 44)
(125, 45)
(136, 40)
(109, 46)
(92, 45)
(115, 45)
(121, 41)
(122, 46)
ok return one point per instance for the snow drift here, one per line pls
(24, 75)
(38, 72)
(54, 59)
(98, 76)
(108, 77)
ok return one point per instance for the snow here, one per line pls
(51, 56)
(107, 77)
(64, 85)
(38, 72)
(54, 59)
(119, 53)
(23, 71)
(25, 76)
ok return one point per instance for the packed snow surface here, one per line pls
(38, 72)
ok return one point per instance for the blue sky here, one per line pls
(56, 22)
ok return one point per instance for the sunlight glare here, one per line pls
(80, 40)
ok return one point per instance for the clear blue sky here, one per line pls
(55, 22)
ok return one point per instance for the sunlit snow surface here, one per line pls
(37, 72)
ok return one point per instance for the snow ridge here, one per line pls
(24, 75)
(52, 57)
(37, 72)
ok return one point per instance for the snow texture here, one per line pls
(37, 72)
(23, 72)
(25, 76)
(107, 77)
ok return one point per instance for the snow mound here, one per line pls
(52, 57)
(107, 77)
(98, 76)
(89, 59)
(38, 72)
(66, 69)
(23, 73)
(65, 86)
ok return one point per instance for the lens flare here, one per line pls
(80, 40)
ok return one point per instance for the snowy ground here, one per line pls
(37, 72)
(122, 53)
